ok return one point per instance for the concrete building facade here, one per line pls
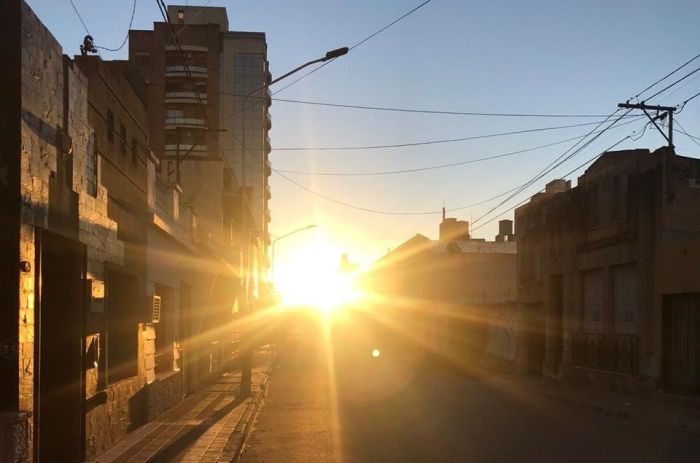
(119, 296)
(606, 280)
(456, 295)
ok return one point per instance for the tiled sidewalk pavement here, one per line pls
(205, 427)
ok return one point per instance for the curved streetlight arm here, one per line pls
(293, 232)
(285, 236)
(338, 52)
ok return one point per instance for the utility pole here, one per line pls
(662, 112)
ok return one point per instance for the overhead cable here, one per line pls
(441, 166)
(369, 37)
(435, 142)
(126, 37)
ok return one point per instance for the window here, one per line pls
(134, 151)
(122, 325)
(110, 126)
(166, 331)
(593, 301)
(122, 138)
(91, 165)
(180, 16)
(625, 299)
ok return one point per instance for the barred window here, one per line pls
(134, 151)
(91, 165)
(122, 138)
(110, 126)
(626, 298)
(593, 301)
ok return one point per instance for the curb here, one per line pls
(240, 434)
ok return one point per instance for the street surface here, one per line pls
(331, 401)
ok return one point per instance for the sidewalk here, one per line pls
(666, 412)
(207, 426)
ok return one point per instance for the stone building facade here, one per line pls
(115, 303)
(606, 280)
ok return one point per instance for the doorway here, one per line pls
(555, 325)
(58, 381)
(681, 354)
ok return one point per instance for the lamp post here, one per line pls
(286, 235)
(246, 354)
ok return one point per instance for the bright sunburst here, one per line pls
(310, 275)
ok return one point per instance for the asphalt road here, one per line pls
(330, 400)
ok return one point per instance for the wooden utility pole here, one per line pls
(662, 112)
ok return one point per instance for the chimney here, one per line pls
(453, 230)
(505, 231)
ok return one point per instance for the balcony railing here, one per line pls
(173, 149)
(164, 198)
(186, 97)
(614, 352)
(172, 122)
(181, 71)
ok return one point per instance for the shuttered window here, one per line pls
(593, 301)
(625, 299)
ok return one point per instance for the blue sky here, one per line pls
(496, 56)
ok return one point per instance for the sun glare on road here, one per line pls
(311, 276)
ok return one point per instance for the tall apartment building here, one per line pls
(194, 108)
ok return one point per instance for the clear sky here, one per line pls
(576, 57)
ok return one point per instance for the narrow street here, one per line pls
(438, 415)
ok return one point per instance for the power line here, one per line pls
(386, 212)
(441, 112)
(562, 176)
(371, 36)
(361, 42)
(80, 17)
(441, 166)
(674, 83)
(568, 154)
(126, 37)
(682, 130)
(435, 142)
(383, 212)
(668, 75)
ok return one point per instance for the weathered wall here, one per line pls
(15, 425)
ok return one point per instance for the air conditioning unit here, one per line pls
(156, 305)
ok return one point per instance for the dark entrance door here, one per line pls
(555, 324)
(681, 366)
(59, 323)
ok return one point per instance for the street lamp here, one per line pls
(286, 235)
(246, 355)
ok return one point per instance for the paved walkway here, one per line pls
(206, 426)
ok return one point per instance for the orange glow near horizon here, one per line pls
(310, 276)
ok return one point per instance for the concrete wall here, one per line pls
(627, 210)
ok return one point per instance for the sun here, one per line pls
(310, 275)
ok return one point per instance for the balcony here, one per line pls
(268, 168)
(187, 48)
(180, 71)
(268, 121)
(268, 193)
(173, 122)
(268, 148)
(186, 97)
(172, 150)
